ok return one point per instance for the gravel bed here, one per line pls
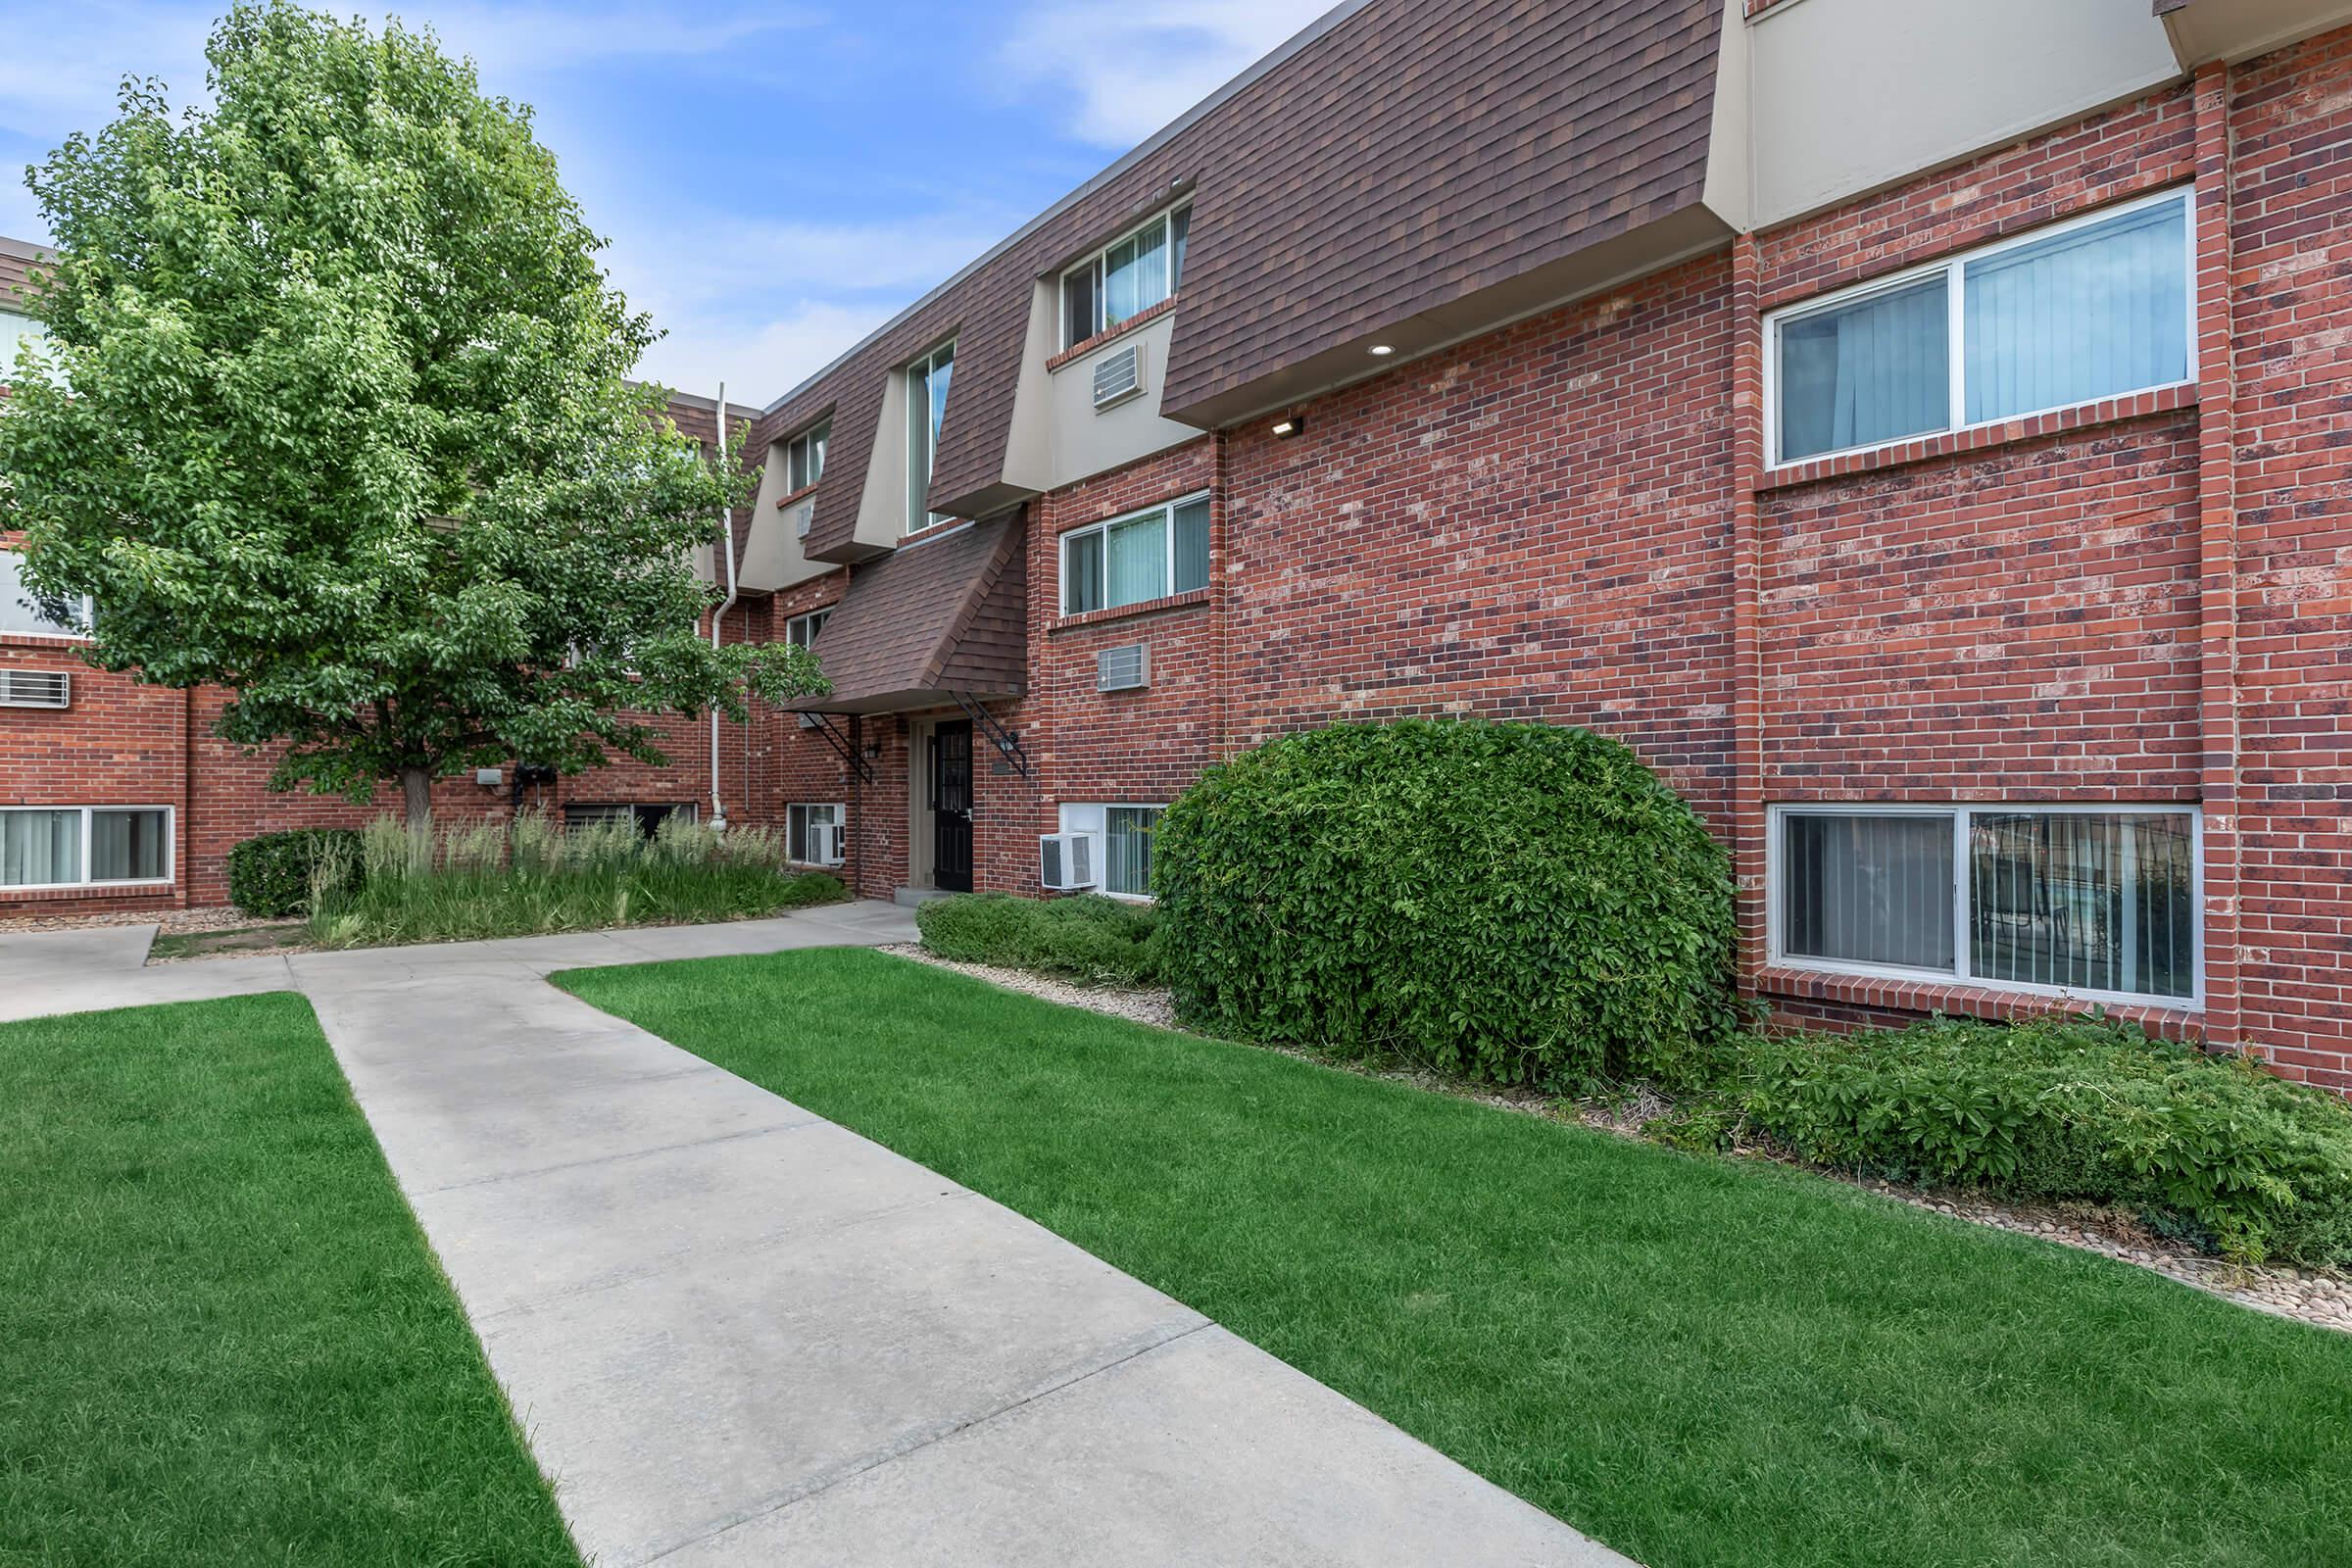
(2324, 1299)
(175, 922)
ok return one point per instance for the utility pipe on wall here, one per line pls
(727, 550)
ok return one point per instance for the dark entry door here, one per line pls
(952, 804)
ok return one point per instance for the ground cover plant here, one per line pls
(1700, 1361)
(1519, 903)
(2054, 1107)
(532, 876)
(226, 1340)
(1095, 940)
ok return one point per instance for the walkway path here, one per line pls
(739, 1334)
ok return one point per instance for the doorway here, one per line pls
(950, 795)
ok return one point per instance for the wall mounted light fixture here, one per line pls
(1289, 425)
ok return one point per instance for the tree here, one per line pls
(333, 412)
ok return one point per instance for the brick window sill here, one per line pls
(795, 498)
(1955, 1000)
(63, 647)
(1187, 600)
(1982, 438)
(150, 892)
(1140, 319)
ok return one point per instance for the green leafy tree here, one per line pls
(333, 412)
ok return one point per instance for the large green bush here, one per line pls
(1091, 939)
(269, 876)
(1518, 902)
(2058, 1107)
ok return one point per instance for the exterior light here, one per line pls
(1289, 425)
(1383, 350)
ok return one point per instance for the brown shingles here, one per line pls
(947, 615)
(1407, 157)
(14, 256)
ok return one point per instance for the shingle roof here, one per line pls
(948, 614)
(1406, 157)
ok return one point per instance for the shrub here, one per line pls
(1518, 902)
(2060, 1107)
(269, 876)
(1094, 940)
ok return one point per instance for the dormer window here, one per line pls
(1126, 277)
(805, 458)
(926, 406)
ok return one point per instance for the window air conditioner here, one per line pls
(1065, 862)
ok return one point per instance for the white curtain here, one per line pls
(1135, 274)
(1875, 370)
(39, 847)
(2092, 313)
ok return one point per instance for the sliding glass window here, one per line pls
(2097, 308)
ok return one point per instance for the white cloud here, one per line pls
(759, 359)
(1129, 69)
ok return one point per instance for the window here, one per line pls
(812, 833)
(801, 630)
(21, 615)
(1125, 277)
(2097, 307)
(927, 404)
(805, 458)
(1131, 560)
(646, 819)
(15, 329)
(2093, 901)
(83, 846)
(1125, 832)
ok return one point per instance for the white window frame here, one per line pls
(89, 612)
(1099, 263)
(1961, 974)
(920, 507)
(813, 620)
(1093, 818)
(1167, 510)
(170, 850)
(1954, 268)
(841, 821)
(807, 442)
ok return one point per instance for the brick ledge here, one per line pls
(1949, 997)
(1096, 617)
(1954, 443)
(1085, 346)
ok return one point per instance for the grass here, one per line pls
(1698, 1360)
(531, 877)
(225, 1340)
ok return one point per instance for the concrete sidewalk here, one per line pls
(738, 1334)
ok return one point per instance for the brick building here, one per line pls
(1917, 430)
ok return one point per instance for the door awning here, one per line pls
(942, 618)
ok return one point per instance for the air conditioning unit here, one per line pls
(35, 687)
(1120, 375)
(1065, 862)
(1123, 668)
(827, 840)
(800, 514)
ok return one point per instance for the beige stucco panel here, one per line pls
(1845, 96)
(1084, 441)
(772, 556)
(882, 505)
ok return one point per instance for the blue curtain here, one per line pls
(1875, 370)
(2097, 312)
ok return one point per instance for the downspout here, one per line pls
(726, 548)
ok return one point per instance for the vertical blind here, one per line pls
(2087, 314)
(1868, 890)
(1127, 848)
(1136, 560)
(1139, 559)
(1876, 370)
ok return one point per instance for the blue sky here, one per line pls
(776, 178)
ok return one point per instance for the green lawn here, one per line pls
(223, 1339)
(1699, 1362)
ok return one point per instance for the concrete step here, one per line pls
(913, 897)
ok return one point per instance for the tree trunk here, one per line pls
(416, 798)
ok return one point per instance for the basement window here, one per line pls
(1125, 832)
(85, 845)
(2099, 307)
(1136, 559)
(812, 833)
(2093, 902)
